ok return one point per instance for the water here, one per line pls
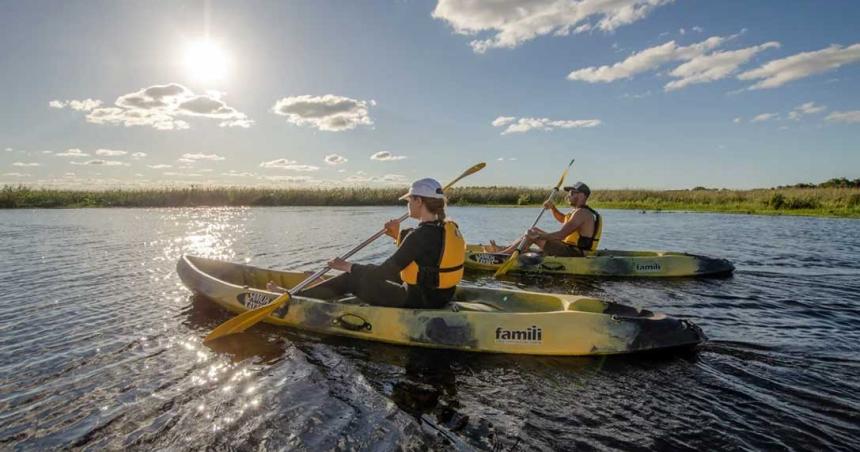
(100, 344)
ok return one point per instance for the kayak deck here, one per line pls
(479, 319)
(646, 264)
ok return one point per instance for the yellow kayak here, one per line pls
(646, 264)
(478, 320)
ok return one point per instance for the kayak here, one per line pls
(478, 320)
(648, 264)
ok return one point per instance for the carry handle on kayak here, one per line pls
(250, 318)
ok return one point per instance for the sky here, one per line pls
(657, 94)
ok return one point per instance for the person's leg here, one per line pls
(382, 293)
(560, 249)
(331, 288)
(494, 248)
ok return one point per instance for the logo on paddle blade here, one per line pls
(531, 335)
(254, 300)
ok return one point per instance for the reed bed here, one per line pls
(823, 201)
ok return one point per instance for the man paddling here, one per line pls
(579, 233)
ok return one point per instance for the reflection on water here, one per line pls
(100, 344)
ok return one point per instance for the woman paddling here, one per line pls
(422, 273)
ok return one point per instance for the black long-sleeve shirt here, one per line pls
(422, 245)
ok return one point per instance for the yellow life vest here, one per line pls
(585, 243)
(450, 269)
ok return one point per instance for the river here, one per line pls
(100, 344)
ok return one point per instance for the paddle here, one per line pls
(511, 260)
(250, 318)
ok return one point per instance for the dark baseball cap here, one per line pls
(579, 187)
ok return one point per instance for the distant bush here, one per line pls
(777, 201)
(524, 199)
(826, 201)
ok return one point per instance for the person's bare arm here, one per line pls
(568, 228)
(555, 212)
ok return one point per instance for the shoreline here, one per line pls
(812, 202)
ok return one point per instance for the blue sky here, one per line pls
(643, 93)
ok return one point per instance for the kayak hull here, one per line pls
(479, 319)
(638, 264)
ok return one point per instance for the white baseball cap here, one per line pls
(428, 188)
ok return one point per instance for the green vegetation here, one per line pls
(831, 200)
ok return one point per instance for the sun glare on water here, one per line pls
(205, 61)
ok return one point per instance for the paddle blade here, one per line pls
(246, 319)
(564, 175)
(508, 264)
(474, 169)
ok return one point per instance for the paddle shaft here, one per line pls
(319, 274)
(298, 287)
(552, 193)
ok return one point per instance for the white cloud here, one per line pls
(522, 125)
(334, 159)
(160, 166)
(779, 72)
(25, 164)
(47, 152)
(764, 117)
(110, 152)
(182, 160)
(329, 113)
(194, 157)
(385, 156)
(844, 116)
(162, 106)
(513, 22)
(646, 60)
(138, 155)
(393, 178)
(503, 120)
(77, 105)
(175, 174)
(233, 173)
(737, 120)
(698, 29)
(9, 150)
(100, 162)
(16, 174)
(808, 108)
(290, 179)
(72, 153)
(714, 66)
(288, 165)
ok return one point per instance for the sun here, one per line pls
(206, 61)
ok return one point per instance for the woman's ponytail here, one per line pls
(436, 206)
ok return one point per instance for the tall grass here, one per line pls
(789, 200)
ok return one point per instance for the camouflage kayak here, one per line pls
(645, 264)
(478, 320)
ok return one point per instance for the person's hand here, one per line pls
(535, 233)
(392, 228)
(340, 264)
(548, 204)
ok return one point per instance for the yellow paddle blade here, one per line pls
(246, 319)
(474, 169)
(564, 174)
(508, 264)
